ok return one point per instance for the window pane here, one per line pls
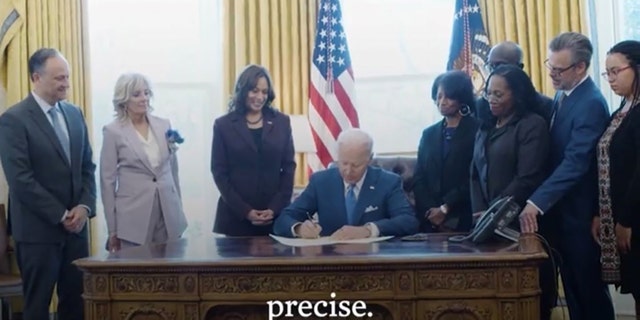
(397, 48)
(630, 21)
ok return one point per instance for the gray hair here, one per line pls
(356, 137)
(126, 85)
(38, 60)
(578, 44)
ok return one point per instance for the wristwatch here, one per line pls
(444, 209)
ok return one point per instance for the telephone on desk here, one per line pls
(495, 220)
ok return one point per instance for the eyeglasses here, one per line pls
(555, 70)
(613, 73)
(492, 66)
(496, 96)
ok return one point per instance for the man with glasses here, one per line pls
(508, 53)
(567, 200)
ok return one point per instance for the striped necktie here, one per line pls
(57, 127)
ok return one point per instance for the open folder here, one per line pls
(297, 242)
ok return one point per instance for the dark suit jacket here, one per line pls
(247, 179)
(570, 193)
(509, 161)
(440, 181)
(624, 170)
(42, 183)
(380, 201)
(545, 106)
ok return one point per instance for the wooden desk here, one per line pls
(232, 278)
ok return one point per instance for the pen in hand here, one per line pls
(315, 222)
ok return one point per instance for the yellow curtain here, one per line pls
(278, 35)
(532, 24)
(34, 24)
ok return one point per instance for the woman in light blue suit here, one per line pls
(138, 171)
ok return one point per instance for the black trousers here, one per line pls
(42, 266)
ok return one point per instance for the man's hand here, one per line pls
(623, 237)
(351, 232)
(76, 219)
(113, 244)
(595, 229)
(435, 216)
(308, 230)
(260, 217)
(528, 219)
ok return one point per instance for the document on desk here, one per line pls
(297, 242)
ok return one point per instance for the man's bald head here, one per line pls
(507, 52)
(355, 149)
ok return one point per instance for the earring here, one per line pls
(465, 110)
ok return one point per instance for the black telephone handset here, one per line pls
(494, 221)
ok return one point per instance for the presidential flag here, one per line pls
(332, 87)
(469, 43)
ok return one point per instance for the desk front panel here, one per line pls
(233, 278)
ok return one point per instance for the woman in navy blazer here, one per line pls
(252, 158)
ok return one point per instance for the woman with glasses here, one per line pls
(511, 147)
(441, 179)
(617, 227)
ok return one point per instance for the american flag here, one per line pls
(332, 87)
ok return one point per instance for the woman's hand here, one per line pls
(113, 244)
(623, 237)
(435, 216)
(477, 216)
(260, 217)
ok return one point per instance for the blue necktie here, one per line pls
(350, 204)
(57, 127)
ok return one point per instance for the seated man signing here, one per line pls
(352, 201)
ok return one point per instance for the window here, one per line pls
(611, 22)
(397, 49)
(178, 47)
(630, 24)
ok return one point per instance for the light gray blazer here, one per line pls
(129, 183)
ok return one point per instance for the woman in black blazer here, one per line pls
(252, 158)
(511, 147)
(441, 178)
(617, 227)
(510, 155)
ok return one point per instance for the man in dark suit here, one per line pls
(509, 53)
(567, 200)
(352, 201)
(48, 163)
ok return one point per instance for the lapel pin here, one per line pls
(269, 122)
(372, 187)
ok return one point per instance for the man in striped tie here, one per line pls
(48, 163)
(353, 200)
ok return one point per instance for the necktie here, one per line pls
(57, 127)
(350, 204)
(557, 107)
